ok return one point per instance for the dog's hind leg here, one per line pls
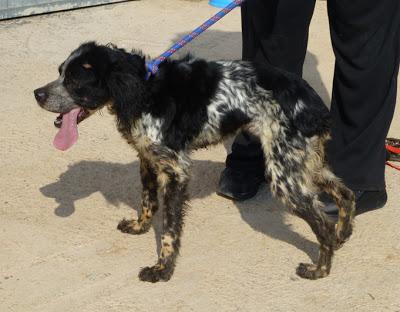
(309, 209)
(149, 201)
(306, 205)
(173, 178)
(344, 199)
(294, 191)
(288, 164)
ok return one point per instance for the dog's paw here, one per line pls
(310, 271)
(339, 243)
(155, 274)
(132, 227)
(343, 236)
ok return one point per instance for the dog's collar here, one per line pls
(152, 68)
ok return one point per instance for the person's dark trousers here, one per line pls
(365, 36)
(366, 39)
(273, 32)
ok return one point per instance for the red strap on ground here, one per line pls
(393, 149)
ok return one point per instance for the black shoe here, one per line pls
(365, 201)
(239, 185)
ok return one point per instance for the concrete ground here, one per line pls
(59, 247)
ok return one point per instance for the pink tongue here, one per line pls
(68, 134)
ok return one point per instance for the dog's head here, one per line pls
(91, 77)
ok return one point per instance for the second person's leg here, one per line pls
(366, 40)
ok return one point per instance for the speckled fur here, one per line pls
(191, 103)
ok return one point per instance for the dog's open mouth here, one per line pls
(68, 124)
(81, 116)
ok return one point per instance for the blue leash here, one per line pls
(152, 66)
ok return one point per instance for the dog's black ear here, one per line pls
(127, 86)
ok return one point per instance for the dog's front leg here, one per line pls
(174, 181)
(149, 201)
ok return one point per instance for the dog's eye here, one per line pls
(87, 66)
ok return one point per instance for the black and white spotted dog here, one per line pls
(189, 104)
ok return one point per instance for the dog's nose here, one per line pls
(40, 95)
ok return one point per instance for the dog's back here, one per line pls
(201, 103)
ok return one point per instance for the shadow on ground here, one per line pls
(120, 184)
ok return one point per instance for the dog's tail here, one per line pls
(344, 199)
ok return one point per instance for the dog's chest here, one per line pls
(144, 132)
